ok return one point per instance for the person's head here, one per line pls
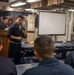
(10, 22)
(44, 47)
(19, 20)
(5, 20)
(1, 44)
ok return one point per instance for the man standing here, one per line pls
(3, 24)
(44, 51)
(15, 34)
(7, 67)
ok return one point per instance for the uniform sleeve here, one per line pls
(10, 32)
(12, 69)
(1, 28)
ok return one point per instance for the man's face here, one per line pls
(5, 21)
(19, 21)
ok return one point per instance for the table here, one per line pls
(63, 44)
(61, 48)
(22, 67)
(27, 46)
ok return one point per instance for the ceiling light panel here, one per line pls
(30, 1)
(18, 3)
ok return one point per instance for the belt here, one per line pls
(15, 42)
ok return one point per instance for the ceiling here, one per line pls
(58, 5)
(3, 2)
(42, 5)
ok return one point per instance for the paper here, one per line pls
(30, 27)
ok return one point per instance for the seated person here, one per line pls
(3, 24)
(70, 59)
(6, 66)
(44, 51)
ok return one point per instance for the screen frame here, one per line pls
(55, 13)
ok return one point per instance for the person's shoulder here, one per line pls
(1, 23)
(12, 26)
(5, 60)
(30, 71)
(7, 66)
(63, 64)
(66, 69)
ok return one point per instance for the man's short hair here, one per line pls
(4, 18)
(44, 45)
(20, 17)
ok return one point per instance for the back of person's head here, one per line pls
(44, 46)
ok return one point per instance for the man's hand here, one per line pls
(6, 29)
(19, 38)
(25, 34)
(15, 37)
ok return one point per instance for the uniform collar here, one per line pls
(16, 25)
(49, 61)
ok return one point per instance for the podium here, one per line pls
(5, 42)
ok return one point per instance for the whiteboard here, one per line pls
(51, 23)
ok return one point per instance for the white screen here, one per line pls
(51, 23)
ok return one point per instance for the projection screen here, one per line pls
(52, 23)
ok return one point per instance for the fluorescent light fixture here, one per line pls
(30, 1)
(18, 3)
(29, 9)
(71, 10)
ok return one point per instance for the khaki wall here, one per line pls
(30, 27)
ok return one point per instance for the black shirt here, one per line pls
(15, 31)
(7, 67)
(70, 59)
(2, 26)
(50, 66)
